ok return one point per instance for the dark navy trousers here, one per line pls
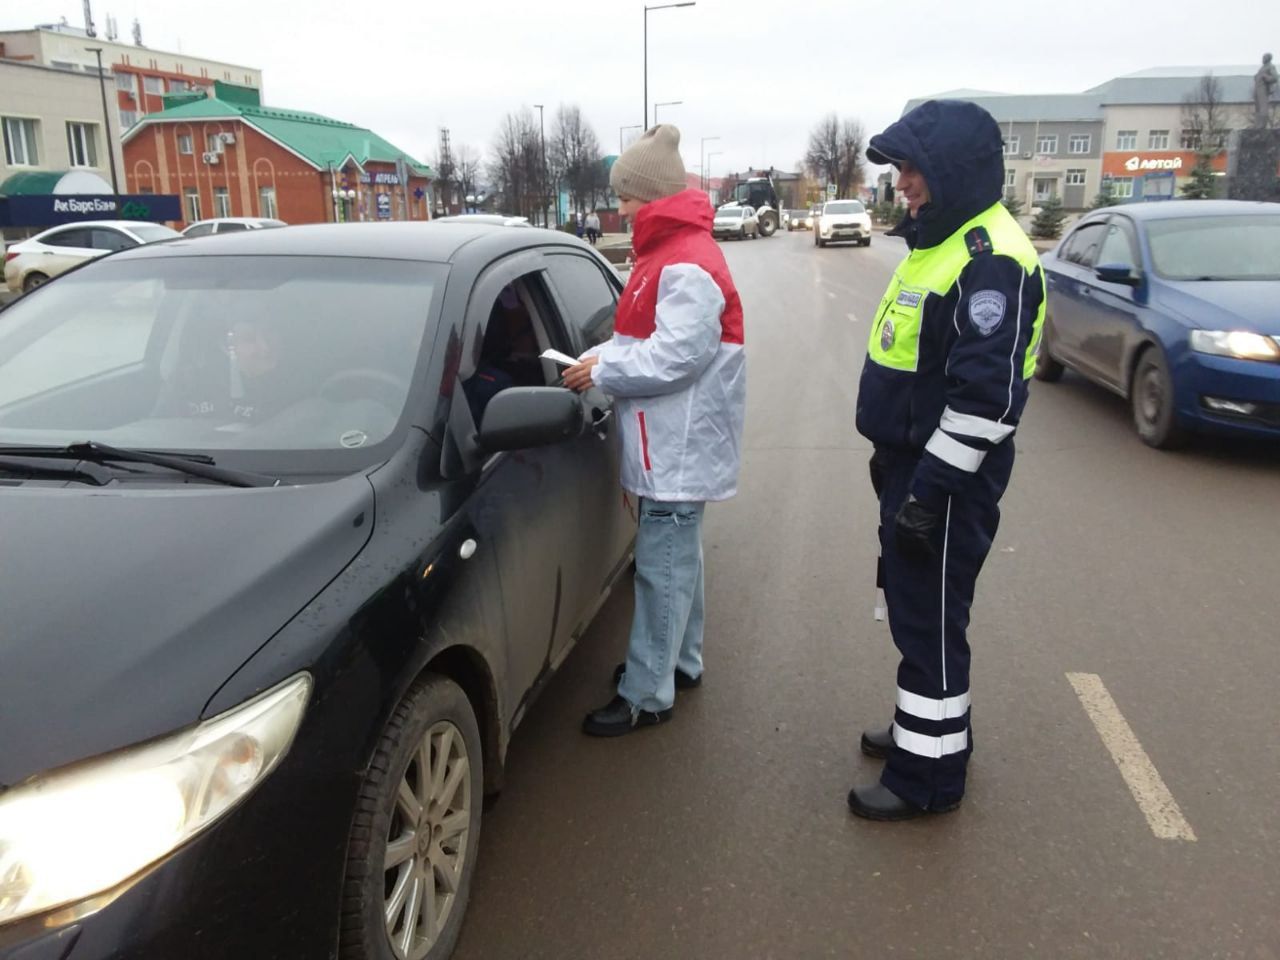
(928, 601)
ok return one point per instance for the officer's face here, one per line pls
(912, 187)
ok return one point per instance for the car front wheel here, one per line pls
(1152, 399)
(412, 847)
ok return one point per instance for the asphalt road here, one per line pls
(725, 834)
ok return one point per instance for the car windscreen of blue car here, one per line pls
(1216, 248)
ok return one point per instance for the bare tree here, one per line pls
(1205, 123)
(467, 160)
(823, 156)
(575, 158)
(515, 162)
(835, 153)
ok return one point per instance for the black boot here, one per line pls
(878, 743)
(617, 718)
(878, 802)
(683, 680)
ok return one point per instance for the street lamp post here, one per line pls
(634, 126)
(106, 120)
(664, 6)
(706, 168)
(664, 103)
(702, 154)
(542, 171)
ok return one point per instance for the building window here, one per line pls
(1012, 145)
(1047, 144)
(1080, 143)
(62, 65)
(128, 118)
(1045, 189)
(1075, 178)
(1126, 139)
(221, 202)
(1122, 188)
(82, 144)
(1190, 140)
(153, 85)
(213, 143)
(1159, 140)
(185, 145)
(192, 197)
(267, 202)
(20, 142)
(126, 83)
(179, 86)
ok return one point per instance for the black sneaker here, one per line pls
(618, 717)
(683, 680)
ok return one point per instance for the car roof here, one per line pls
(236, 220)
(118, 224)
(429, 242)
(1170, 209)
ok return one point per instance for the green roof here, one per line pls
(31, 184)
(320, 139)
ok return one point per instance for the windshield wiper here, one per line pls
(196, 465)
(93, 473)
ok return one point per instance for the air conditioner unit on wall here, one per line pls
(212, 156)
(227, 137)
(1027, 155)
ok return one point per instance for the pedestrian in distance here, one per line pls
(676, 369)
(943, 387)
(593, 227)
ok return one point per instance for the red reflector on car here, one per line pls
(10, 256)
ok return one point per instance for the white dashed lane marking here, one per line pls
(1148, 789)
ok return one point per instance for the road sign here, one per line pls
(831, 191)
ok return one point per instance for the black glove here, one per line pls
(876, 466)
(914, 529)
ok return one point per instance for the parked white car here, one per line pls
(736, 221)
(215, 225)
(843, 220)
(41, 258)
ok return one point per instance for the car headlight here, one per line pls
(1240, 344)
(83, 830)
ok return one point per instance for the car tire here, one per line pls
(430, 748)
(1048, 369)
(33, 280)
(1151, 399)
(866, 242)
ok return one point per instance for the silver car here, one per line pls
(735, 221)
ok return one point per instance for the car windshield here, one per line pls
(152, 232)
(217, 354)
(732, 214)
(844, 206)
(1216, 248)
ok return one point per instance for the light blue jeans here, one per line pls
(666, 631)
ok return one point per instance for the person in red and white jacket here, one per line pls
(676, 369)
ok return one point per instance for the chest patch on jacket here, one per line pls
(986, 311)
(909, 298)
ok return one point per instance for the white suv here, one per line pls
(843, 220)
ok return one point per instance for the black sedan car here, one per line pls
(295, 526)
(1172, 305)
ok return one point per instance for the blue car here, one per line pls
(1175, 306)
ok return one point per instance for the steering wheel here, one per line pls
(364, 382)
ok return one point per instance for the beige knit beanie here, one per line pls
(651, 167)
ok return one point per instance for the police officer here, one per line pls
(943, 387)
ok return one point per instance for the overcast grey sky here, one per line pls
(406, 68)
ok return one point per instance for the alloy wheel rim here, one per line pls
(427, 842)
(1152, 397)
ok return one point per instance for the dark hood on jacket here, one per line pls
(958, 148)
(686, 210)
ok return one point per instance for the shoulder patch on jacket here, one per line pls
(986, 311)
(978, 241)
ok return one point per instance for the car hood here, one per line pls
(124, 611)
(1252, 305)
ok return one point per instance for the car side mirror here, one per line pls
(1117, 273)
(522, 417)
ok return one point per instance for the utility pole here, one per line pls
(106, 116)
(446, 167)
(542, 171)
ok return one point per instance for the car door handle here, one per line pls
(600, 423)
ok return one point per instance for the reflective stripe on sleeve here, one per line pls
(927, 708)
(932, 747)
(951, 451)
(980, 428)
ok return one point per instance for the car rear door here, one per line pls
(63, 250)
(1068, 273)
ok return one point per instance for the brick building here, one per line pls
(226, 155)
